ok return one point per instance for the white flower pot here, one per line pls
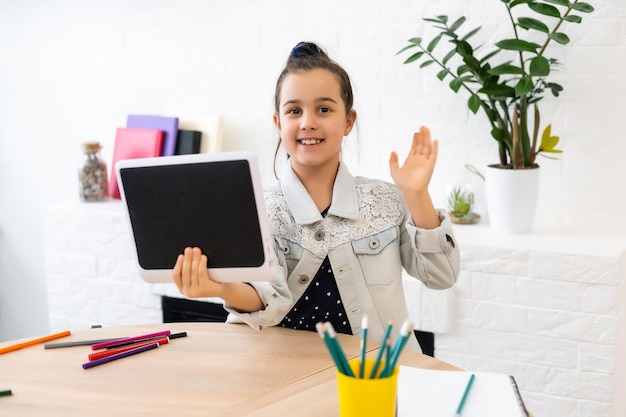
(511, 198)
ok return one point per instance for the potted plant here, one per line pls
(460, 206)
(507, 81)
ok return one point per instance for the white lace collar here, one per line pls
(344, 204)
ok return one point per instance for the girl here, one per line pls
(341, 241)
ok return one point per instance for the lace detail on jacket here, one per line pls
(380, 207)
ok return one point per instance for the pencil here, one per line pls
(110, 352)
(6, 393)
(130, 339)
(459, 409)
(363, 345)
(403, 337)
(120, 355)
(31, 342)
(341, 357)
(381, 351)
(321, 329)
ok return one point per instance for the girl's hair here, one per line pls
(307, 56)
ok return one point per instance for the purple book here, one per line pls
(169, 126)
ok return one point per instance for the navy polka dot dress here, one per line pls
(320, 302)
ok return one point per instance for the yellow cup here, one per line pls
(364, 397)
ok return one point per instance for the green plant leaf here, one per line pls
(405, 49)
(560, 37)
(531, 23)
(583, 7)
(518, 2)
(523, 86)
(426, 63)
(474, 103)
(489, 56)
(416, 41)
(433, 44)
(573, 18)
(457, 83)
(457, 24)
(559, 2)
(497, 134)
(462, 69)
(448, 56)
(539, 67)
(554, 88)
(545, 9)
(414, 57)
(517, 45)
(470, 33)
(442, 74)
(463, 48)
(437, 19)
(506, 69)
(498, 90)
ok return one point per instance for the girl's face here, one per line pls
(312, 119)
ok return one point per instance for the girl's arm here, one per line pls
(414, 176)
(192, 279)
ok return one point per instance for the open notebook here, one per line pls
(436, 393)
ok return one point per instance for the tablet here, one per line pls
(212, 201)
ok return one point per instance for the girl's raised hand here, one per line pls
(414, 176)
(192, 277)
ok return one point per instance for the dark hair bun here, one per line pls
(306, 49)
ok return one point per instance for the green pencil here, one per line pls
(403, 337)
(459, 409)
(382, 349)
(6, 393)
(363, 345)
(321, 329)
(341, 357)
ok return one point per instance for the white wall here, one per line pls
(72, 70)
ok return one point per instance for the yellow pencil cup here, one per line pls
(365, 397)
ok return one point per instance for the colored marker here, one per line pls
(130, 339)
(31, 342)
(111, 352)
(131, 342)
(6, 393)
(121, 355)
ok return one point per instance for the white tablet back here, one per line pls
(212, 201)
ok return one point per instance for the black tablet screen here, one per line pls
(208, 204)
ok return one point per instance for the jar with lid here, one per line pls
(92, 174)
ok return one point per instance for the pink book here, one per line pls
(133, 143)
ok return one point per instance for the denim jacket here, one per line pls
(368, 236)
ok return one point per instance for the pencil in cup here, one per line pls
(367, 397)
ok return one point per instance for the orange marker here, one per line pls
(17, 346)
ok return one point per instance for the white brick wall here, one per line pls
(544, 308)
(549, 315)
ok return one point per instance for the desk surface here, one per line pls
(223, 370)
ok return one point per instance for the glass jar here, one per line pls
(92, 174)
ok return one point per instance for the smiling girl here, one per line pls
(341, 241)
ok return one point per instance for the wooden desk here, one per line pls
(223, 370)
